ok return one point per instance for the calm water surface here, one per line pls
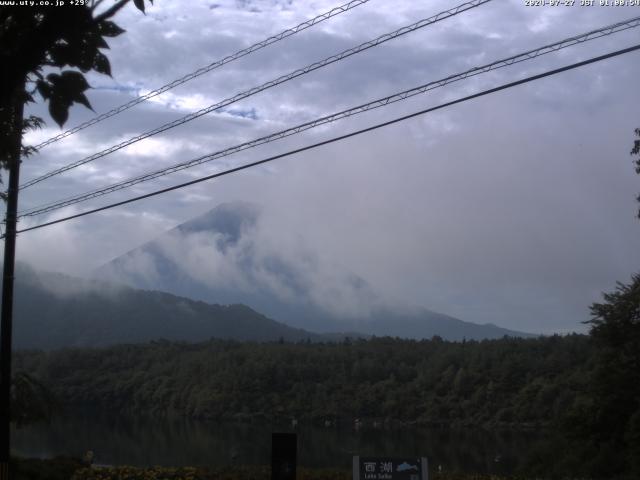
(178, 442)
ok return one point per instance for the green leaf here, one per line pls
(63, 91)
(109, 29)
(85, 58)
(82, 98)
(74, 81)
(32, 122)
(61, 55)
(59, 110)
(101, 64)
(53, 79)
(44, 89)
(139, 5)
(94, 38)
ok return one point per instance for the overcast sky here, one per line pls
(517, 208)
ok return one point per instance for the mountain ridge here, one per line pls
(54, 310)
(231, 265)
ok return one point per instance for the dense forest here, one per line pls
(509, 382)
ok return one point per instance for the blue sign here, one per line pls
(384, 468)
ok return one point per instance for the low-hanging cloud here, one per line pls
(516, 209)
(217, 257)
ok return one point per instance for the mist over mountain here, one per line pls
(227, 256)
(53, 310)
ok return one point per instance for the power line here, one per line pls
(272, 83)
(529, 55)
(212, 66)
(341, 137)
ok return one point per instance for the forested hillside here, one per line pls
(55, 310)
(508, 382)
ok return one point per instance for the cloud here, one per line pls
(232, 250)
(516, 209)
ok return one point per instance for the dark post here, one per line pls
(283, 456)
(7, 293)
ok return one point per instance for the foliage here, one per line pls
(31, 400)
(240, 472)
(612, 420)
(62, 468)
(636, 151)
(36, 39)
(508, 382)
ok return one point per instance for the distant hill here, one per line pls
(220, 257)
(53, 310)
(422, 323)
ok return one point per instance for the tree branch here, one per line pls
(111, 11)
(95, 4)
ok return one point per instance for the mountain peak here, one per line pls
(222, 257)
(228, 219)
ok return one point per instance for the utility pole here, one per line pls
(6, 322)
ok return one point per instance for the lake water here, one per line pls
(125, 440)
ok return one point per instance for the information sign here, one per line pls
(384, 468)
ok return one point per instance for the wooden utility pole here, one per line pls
(6, 322)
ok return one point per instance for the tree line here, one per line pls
(509, 382)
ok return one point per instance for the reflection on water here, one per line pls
(179, 442)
